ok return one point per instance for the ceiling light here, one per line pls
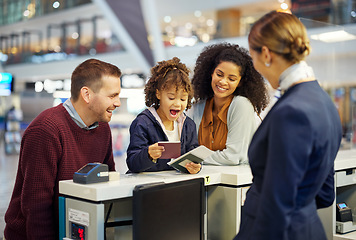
(26, 13)
(335, 36)
(210, 22)
(62, 94)
(197, 13)
(38, 86)
(167, 19)
(185, 41)
(56, 4)
(188, 25)
(75, 35)
(284, 6)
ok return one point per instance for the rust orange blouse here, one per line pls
(213, 134)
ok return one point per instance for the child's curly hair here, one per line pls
(165, 75)
(251, 86)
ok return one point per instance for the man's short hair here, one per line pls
(89, 73)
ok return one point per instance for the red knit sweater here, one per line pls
(53, 148)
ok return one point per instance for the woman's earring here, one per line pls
(267, 64)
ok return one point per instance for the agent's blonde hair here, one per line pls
(281, 33)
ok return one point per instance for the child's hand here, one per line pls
(155, 151)
(193, 168)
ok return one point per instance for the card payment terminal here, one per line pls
(92, 173)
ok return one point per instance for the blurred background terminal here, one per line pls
(42, 41)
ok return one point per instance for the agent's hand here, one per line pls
(193, 168)
(155, 151)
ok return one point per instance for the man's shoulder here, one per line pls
(53, 111)
(50, 116)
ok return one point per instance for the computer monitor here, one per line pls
(173, 211)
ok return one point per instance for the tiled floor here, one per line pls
(8, 170)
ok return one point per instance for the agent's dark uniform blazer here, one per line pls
(292, 161)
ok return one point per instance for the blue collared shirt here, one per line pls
(75, 116)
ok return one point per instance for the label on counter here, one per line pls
(79, 217)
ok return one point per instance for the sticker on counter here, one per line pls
(79, 217)
(207, 180)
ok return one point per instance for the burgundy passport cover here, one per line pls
(172, 149)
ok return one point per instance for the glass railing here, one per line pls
(13, 11)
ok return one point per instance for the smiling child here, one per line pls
(168, 93)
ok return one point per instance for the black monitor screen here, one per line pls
(173, 211)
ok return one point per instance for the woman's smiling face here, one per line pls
(225, 79)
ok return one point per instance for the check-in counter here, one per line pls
(345, 184)
(225, 190)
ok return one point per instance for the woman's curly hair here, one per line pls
(165, 75)
(252, 85)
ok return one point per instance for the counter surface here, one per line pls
(345, 159)
(123, 187)
(229, 175)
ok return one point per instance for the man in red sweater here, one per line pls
(57, 143)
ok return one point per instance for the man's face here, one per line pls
(104, 102)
